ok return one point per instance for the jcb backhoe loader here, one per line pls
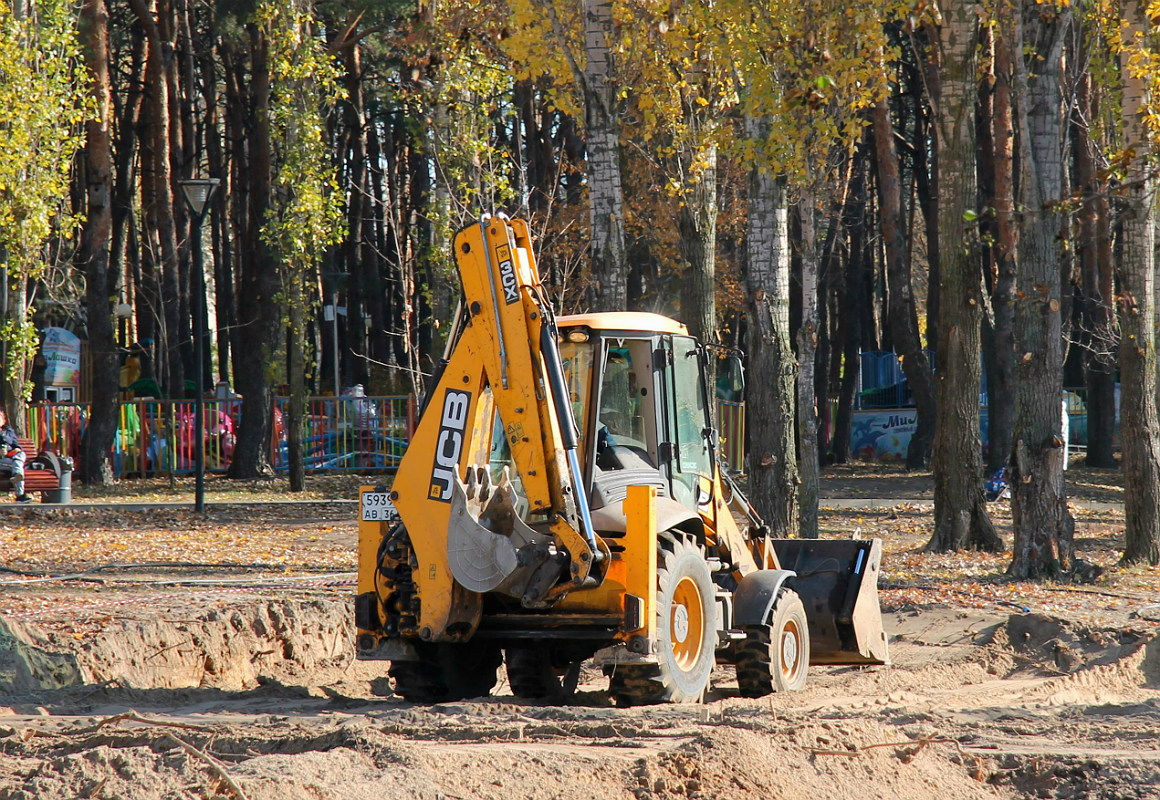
(561, 500)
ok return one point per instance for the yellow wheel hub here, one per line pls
(687, 623)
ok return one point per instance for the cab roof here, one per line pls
(630, 321)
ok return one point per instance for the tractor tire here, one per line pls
(686, 625)
(775, 657)
(447, 671)
(534, 675)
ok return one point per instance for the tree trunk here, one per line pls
(928, 152)
(387, 246)
(807, 340)
(903, 311)
(14, 312)
(237, 203)
(258, 315)
(416, 285)
(854, 297)
(608, 290)
(698, 229)
(831, 266)
(960, 511)
(1042, 524)
(1001, 387)
(179, 75)
(358, 251)
(296, 407)
(222, 242)
(773, 475)
(1100, 337)
(538, 151)
(158, 202)
(93, 256)
(125, 178)
(1140, 427)
(395, 247)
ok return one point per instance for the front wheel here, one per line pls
(686, 624)
(775, 657)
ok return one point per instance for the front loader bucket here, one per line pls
(838, 584)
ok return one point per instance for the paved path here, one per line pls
(130, 505)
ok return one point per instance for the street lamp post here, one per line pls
(335, 279)
(123, 311)
(197, 196)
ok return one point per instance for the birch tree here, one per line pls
(580, 44)
(773, 464)
(806, 75)
(608, 286)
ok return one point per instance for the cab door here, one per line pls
(688, 427)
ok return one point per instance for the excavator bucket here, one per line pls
(484, 532)
(838, 584)
(489, 548)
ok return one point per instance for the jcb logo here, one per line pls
(450, 444)
(507, 274)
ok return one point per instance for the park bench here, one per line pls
(42, 473)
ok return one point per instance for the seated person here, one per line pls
(12, 457)
(614, 451)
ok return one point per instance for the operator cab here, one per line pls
(640, 401)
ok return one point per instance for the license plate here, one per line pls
(377, 507)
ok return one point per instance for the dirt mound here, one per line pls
(1066, 647)
(744, 751)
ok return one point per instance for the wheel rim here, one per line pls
(789, 650)
(687, 623)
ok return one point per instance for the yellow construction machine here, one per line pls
(561, 502)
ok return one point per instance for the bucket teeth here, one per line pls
(478, 483)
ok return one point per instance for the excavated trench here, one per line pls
(244, 641)
(230, 646)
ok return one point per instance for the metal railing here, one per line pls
(344, 434)
(881, 382)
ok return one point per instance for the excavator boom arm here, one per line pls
(504, 363)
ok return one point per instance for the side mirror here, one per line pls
(730, 379)
(736, 372)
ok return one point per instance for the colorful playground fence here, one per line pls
(156, 437)
(340, 434)
(731, 419)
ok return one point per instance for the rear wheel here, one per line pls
(686, 623)
(775, 657)
(534, 672)
(447, 671)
